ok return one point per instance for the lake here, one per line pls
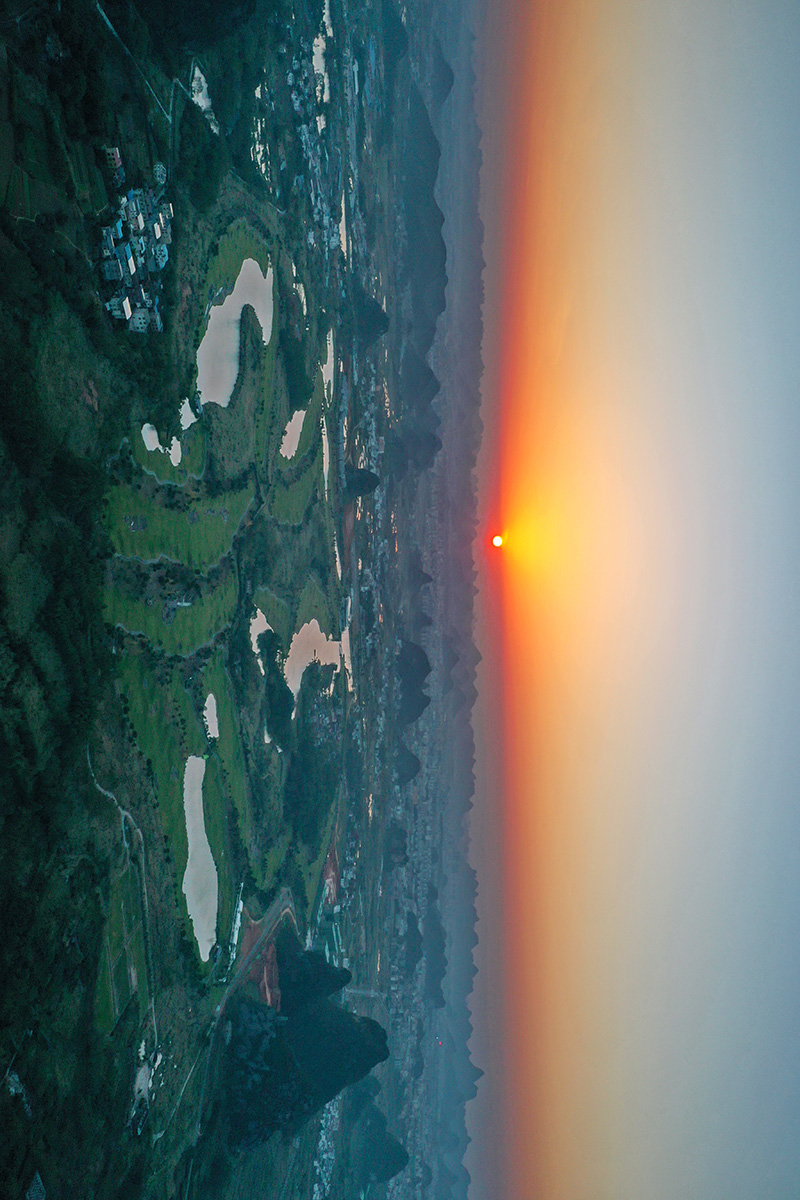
(218, 352)
(200, 883)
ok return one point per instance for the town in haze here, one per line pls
(241, 299)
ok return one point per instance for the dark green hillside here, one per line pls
(53, 870)
(282, 1069)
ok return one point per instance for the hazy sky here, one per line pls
(642, 196)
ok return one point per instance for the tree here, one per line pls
(203, 158)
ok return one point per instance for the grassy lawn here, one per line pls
(193, 456)
(274, 859)
(191, 627)
(114, 926)
(265, 413)
(214, 808)
(228, 746)
(122, 950)
(335, 591)
(167, 731)
(288, 502)
(141, 525)
(103, 1002)
(313, 606)
(312, 428)
(312, 868)
(240, 241)
(6, 155)
(239, 435)
(277, 613)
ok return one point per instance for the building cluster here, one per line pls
(308, 89)
(134, 249)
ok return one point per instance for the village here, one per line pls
(134, 249)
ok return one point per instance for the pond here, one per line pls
(258, 625)
(151, 443)
(218, 352)
(327, 381)
(188, 415)
(200, 883)
(210, 716)
(292, 432)
(307, 644)
(320, 69)
(327, 368)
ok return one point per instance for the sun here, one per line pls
(497, 540)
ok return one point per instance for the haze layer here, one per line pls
(648, 379)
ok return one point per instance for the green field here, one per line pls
(34, 153)
(168, 730)
(312, 428)
(265, 414)
(267, 867)
(240, 241)
(275, 858)
(123, 962)
(89, 186)
(215, 804)
(191, 627)
(312, 868)
(141, 525)
(156, 463)
(288, 502)
(277, 613)
(313, 606)
(179, 521)
(228, 746)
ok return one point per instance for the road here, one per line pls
(113, 31)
